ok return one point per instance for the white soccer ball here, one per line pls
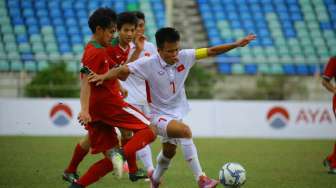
(232, 175)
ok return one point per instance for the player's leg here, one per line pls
(81, 150)
(191, 156)
(330, 161)
(163, 160)
(132, 119)
(169, 127)
(95, 172)
(145, 154)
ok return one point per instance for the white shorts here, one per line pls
(161, 122)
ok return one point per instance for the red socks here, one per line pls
(139, 140)
(77, 157)
(95, 172)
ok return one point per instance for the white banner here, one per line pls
(246, 119)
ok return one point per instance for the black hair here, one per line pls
(140, 15)
(166, 34)
(103, 17)
(126, 18)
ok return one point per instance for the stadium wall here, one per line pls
(208, 118)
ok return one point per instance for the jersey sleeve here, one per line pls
(93, 59)
(330, 69)
(188, 57)
(140, 67)
(152, 48)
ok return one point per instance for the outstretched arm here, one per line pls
(216, 50)
(328, 85)
(120, 73)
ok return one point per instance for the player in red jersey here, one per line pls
(328, 75)
(118, 51)
(103, 107)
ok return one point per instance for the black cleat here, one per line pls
(70, 177)
(330, 169)
(140, 174)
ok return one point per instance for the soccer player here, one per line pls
(103, 108)
(328, 75)
(136, 87)
(165, 74)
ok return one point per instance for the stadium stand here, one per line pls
(295, 37)
(37, 32)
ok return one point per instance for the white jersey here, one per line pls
(166, 82)
(136, 86)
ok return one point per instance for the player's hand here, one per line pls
(124, 92)
(96, 78)
(84, 117)
(140, 42)
(243, 42)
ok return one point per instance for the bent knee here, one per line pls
(186, 132)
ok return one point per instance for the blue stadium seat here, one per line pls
(289, 69)
(302, 69)
(224, 68)
(251, 69)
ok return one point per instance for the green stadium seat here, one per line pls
(16, 65)
(13, 55)
(11, 47)
(37, 48)
(47, 30)
(41, 65)
(51, 47)
(36, 38)
(19, 29)
(41, 56)
(72, 66)
(24, 48)
(4, 65)
(276, 69)
(55, 57)
(9, 38)
(237, 69)
(264, 69)
(49, 38)
(30, 66)
(132, 6)
(78, 48)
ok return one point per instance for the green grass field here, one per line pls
(39, 162)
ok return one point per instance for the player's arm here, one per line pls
(120, 73)
(328, 85)
(139, 46)
(85, 91)
(216, 50)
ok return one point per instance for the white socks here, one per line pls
(190, 155)
(145, 155)
(161, 166)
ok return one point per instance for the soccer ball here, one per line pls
(232, 175)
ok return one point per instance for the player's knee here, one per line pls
(84, 143)
(169, 153)
(154, 130)
(186, 132)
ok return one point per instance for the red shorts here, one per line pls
(102, 137)
(127, 117)
(334, 104)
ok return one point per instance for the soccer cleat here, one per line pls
(206, 182)
(139, 174)
(70, 176)
(117, 161)
(327, 163)
(153, 183)
(75, 185)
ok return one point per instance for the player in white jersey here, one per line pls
(166, 74)
(136, 86)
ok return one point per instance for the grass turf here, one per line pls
(39, 162)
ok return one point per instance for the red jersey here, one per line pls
(97, 59)
(117, 53)
(330, 73)
(330, 70)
